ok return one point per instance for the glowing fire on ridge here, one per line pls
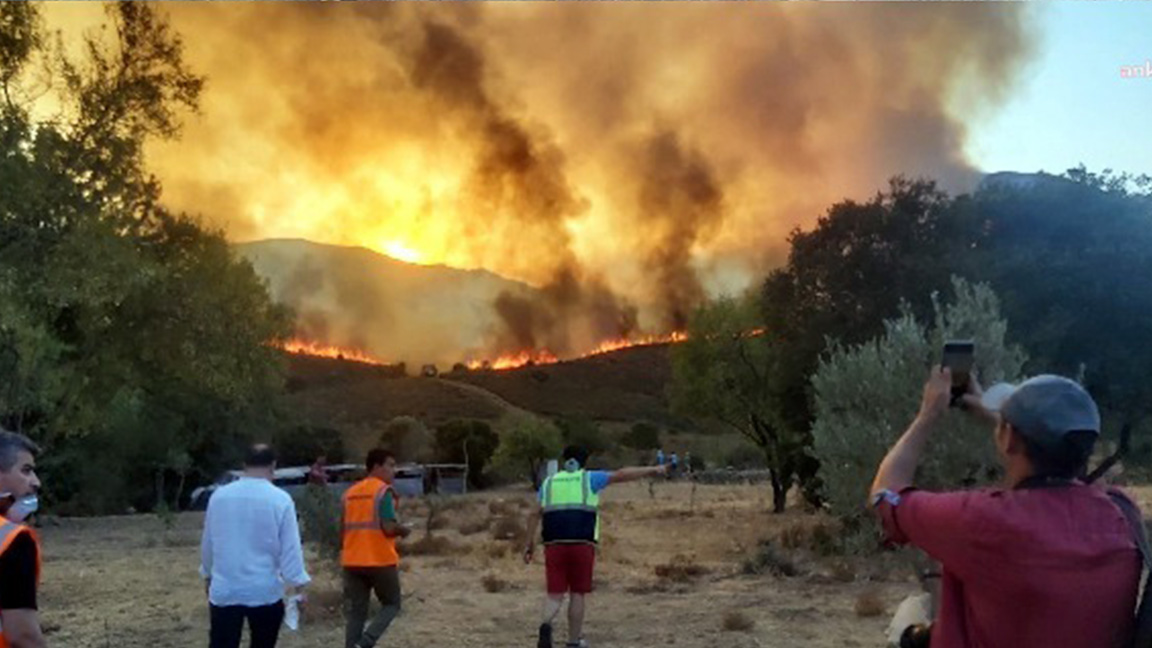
(544, 356)
(308, 347)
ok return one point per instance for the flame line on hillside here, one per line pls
(319, 349)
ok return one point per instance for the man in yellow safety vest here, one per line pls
(569, 509)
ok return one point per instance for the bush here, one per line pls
(770, 560)
(408, 438)
(866, 396)
(642, 436)
(508, 528)
(300, 445)
(680, 569)
(869, 604)
(744, 456)
(584, 433)
(528, 442)
(320, 510)
(736, 621)
(493, 584)
(482, 441)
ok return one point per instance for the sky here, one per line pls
(1070, 104)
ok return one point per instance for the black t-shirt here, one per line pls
(18, 575)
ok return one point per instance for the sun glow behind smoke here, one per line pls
(625, 180)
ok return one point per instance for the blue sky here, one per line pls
(1070, 104)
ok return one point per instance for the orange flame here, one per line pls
(308, 347)
(544, 356)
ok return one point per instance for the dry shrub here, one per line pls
(429, 545)
(736, 621)
(819, 538)
(843, 571)
(680, 569)
(493, 584)
(508, 528)
(502, 507)
(472, 527)
(324, 602)
(794, 537)
(770, 560)
(499, 549)
(869, 604)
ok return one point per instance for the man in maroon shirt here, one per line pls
(1043, 561)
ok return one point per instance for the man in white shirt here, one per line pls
(249, 552)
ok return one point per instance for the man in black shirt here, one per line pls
(19, 548)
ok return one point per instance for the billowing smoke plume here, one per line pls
(625, 159)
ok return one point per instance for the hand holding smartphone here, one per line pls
(959, 356)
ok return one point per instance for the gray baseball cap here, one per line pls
(1044, 408)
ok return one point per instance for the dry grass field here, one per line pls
(667, 574)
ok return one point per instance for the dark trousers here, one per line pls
(228, 622)
(359, 584)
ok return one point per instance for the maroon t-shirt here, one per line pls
(1055, 567)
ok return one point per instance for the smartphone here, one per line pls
(959, 356)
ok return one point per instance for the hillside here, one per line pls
(622, 386)
(396, 311)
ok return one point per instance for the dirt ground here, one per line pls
(670, 570)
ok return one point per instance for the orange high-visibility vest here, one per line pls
(9, 531)
(365, 544)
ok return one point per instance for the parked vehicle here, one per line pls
(292, 479)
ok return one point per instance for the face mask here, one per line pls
(571, 465)
(22, 508)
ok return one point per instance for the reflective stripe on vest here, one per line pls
(9, 531)
(570, 508)
(365, 544)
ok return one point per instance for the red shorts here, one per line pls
(569, 567)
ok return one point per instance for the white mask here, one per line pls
(21, 508)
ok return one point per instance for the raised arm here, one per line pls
(898, 468)
(632, 474)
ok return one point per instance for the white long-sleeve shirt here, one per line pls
(251, 544)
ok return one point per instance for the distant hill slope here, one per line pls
(625, 385)
(396, 311)
(622, 386)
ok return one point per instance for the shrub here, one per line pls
(528, 441)
(300, 445)
(320, 510)
(770, 560)
(680, 569)
(736, 621)
(869, 604)
(584, 433)
(481, 440)
(866, 395)
(508, 528)
(408, 438)
(642, 436)
(472, 527)
(493, 584)
(428, 545)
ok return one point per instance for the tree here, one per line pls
(642, 436)
(726, 370)
(852, 271)
(466, 440)
(526, 443)
(584, 433)
(136, 346)
(408, 438)
(1067, 255)
(867, 394)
